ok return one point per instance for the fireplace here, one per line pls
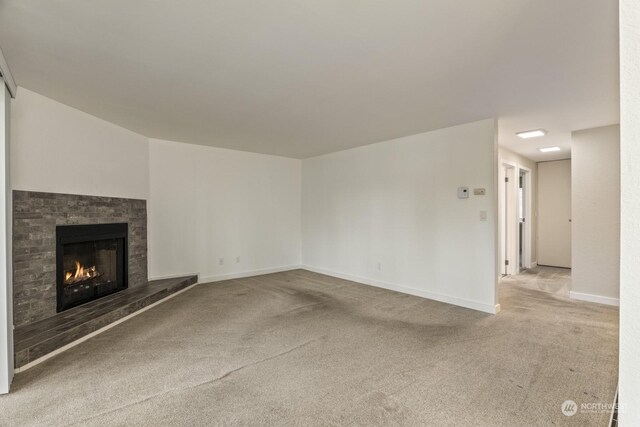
(91, 262)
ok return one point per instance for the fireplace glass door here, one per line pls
(91, 263)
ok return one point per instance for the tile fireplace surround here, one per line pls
(35, 217)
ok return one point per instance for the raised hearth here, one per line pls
(37, 339)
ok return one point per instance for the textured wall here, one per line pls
(630, 212)
(242, 207)
(45, 135)
(388, 215)
(35, 217)
(595, 214)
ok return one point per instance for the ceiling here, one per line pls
(303, 78)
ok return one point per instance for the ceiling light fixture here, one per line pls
(549, 149)
(532, 133)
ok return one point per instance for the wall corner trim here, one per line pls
(594, 298)
(474, 305)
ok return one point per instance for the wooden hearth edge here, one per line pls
(99, 331)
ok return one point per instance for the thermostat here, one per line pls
(463, 192)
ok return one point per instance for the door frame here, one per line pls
(512, 252)
(528, 214)
(6, 293)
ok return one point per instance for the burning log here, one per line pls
(80, 274)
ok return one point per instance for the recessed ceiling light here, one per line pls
(549, 149)
(532, 133)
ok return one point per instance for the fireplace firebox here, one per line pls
(91, 262)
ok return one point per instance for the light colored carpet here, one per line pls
(300, 348)
(549, 279)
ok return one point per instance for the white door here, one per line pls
(509, 221)
(554, 213)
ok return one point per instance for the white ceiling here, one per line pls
(302, 78)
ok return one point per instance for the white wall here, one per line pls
(595, 200)
(524, 162)
(209, 203)
(395, 204)
(58, 149)
(203, 203)
(6, 293)
(630, 213)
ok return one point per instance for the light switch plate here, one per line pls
(479, 191)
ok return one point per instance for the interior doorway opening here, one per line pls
(515, 218)
(508, 212)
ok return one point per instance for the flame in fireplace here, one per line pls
(80, 274)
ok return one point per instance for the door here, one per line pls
(554, 213)
(509, 218)
(521, 220)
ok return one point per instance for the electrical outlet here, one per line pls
(237, 259)
(221, 261)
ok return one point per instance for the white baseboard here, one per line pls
(99, 331)
(534, 264)
(594, 298)
(240, 275)
(474, 305)
(173, 276)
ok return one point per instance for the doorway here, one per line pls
(554, 213)
(508, 216)
(514, 217)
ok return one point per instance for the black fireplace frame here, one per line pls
(66, 234)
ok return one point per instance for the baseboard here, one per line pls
(594, 298)
(99, 331)
(173, 276)
(474, 305)
(240, 275)
(534, 264)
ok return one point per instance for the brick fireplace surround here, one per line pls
(35, 217)
(40, 332)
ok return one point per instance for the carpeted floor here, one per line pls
(299, 348)
(554, 280)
